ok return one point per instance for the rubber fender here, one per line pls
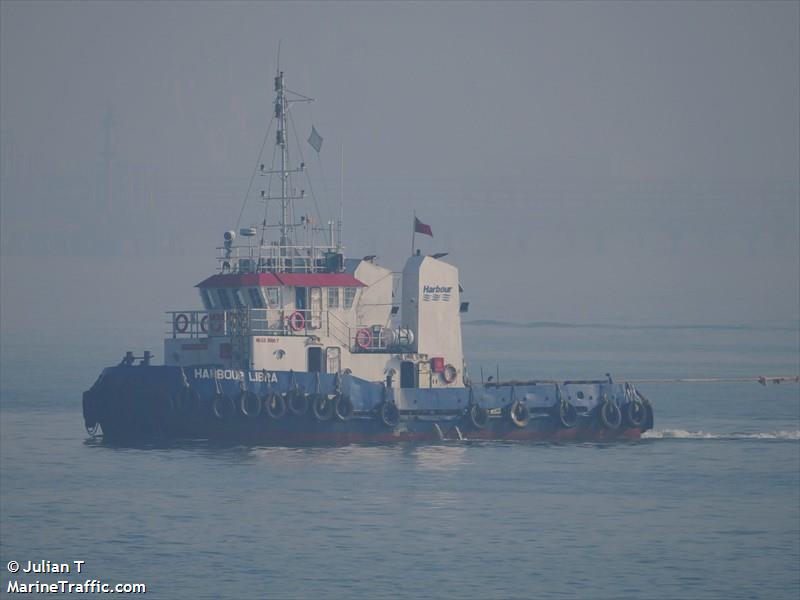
(609, 414)
(478, 416)
(343, 407)
(274, 406)
(389, 414)
(634, 413)
(322, 407)
(223, 407)
(298, 403)
(249, 404)
(566, 414)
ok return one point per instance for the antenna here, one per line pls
(341, 193)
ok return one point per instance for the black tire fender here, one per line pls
(343, 407)
(609, 414)
(478, 416)
(223, 407)
(634, 413)
(389, 414)
(274, 406)
(322, 407)
(298, 403)
(567, 414)
(249, 404)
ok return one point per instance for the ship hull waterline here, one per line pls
(138, 403)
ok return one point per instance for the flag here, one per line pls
(315, 139)
(420, 227)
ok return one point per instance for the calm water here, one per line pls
(707, 507)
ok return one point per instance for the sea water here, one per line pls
(705, 506)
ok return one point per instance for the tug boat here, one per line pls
(297, 344)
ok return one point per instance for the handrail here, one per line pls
(238, 322)
(258, 258)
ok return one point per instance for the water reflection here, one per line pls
(438, 457)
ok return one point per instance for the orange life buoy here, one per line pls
(297, 321)
(217, 322)
(364, 339)
(181, 323)
(204, 324)
(449, 374)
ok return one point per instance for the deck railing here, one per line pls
(258, 258)
(195, 324)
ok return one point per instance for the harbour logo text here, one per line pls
(435, 293)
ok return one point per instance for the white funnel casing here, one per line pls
(430, 309)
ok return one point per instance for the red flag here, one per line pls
(420, 227)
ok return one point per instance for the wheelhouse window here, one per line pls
(224, 298)
(349, 296)
(273, 300)
(255, 298)
(333, 297)
(238, 298)
(207, 298)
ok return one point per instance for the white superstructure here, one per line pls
(296, 304)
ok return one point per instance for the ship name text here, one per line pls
(236, 375)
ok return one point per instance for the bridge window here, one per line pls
(224, 298)
(239, 298)
(208, 299)
(255, 297)
(349, 296)
(273, 300)
(333, 297)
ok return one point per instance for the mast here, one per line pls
(280, 140)
(287, 257)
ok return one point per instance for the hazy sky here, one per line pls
(580, 161)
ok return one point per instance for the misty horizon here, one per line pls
(580, 162)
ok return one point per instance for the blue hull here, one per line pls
(202, 402)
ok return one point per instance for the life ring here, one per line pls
(181, 323)
(610, 414)
(566, 414)
(217, 322)
(343, 407)
(297, 321)
(478, 416)
(322, 407)
(297, 402)
(204, 324)
(519, 414)
(634, 413)
(449, 374)
(186, 400)
(249, 404)
(223, 407)
(389, 414)
(364, 339)
(274, 406)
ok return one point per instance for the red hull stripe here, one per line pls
(564, 435)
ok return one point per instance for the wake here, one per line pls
(683, 434)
